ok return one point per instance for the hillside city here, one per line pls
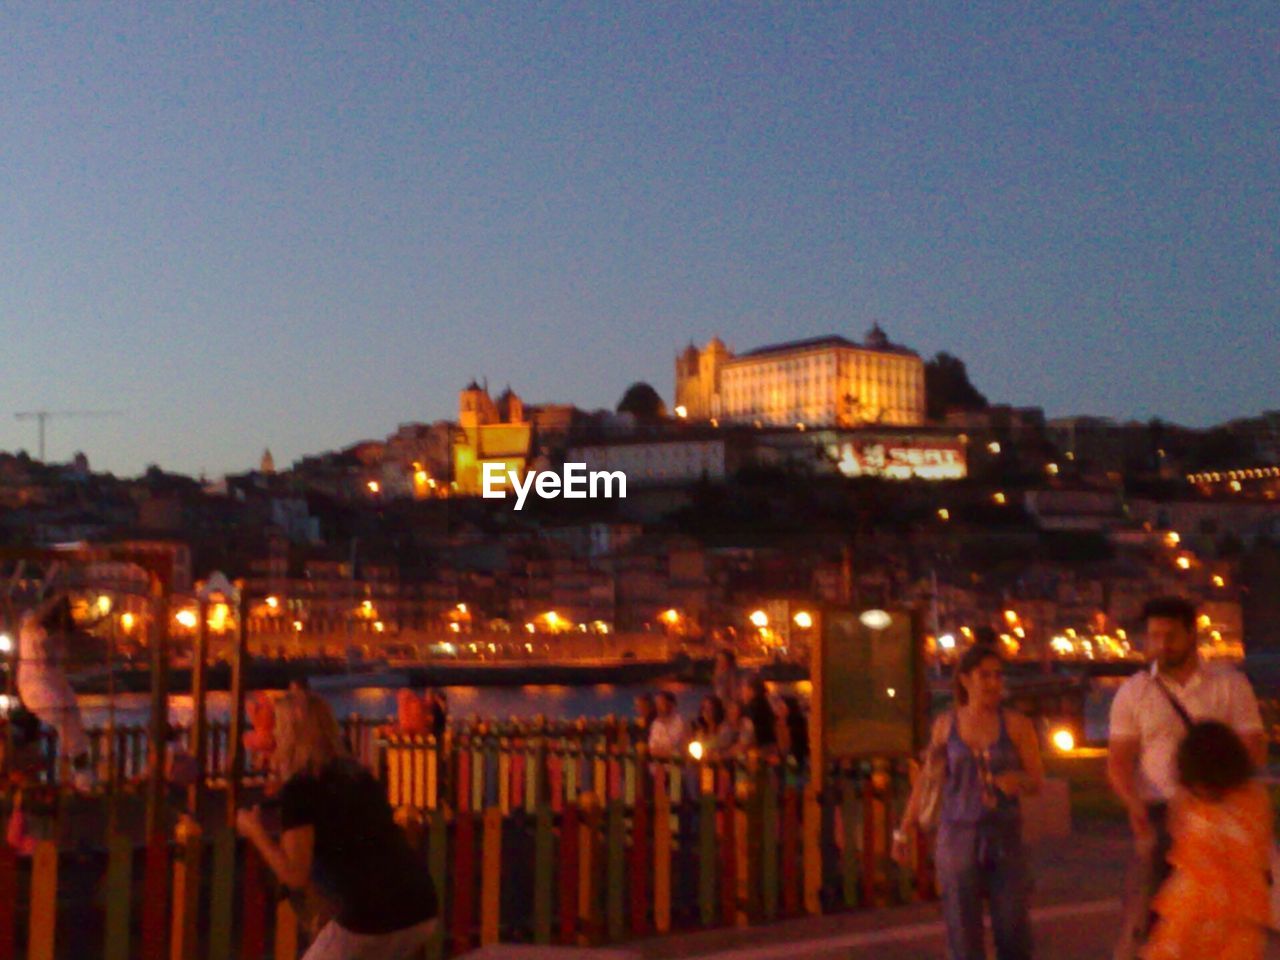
(824, 471)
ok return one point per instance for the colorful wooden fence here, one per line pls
(545, 837)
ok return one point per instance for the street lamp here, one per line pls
(803, 619)
(759, 619)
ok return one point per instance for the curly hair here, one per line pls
(1212, 758)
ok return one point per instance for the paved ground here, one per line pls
(1079, 885)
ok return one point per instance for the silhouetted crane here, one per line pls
(40, 416)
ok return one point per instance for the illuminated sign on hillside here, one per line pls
(901, 460)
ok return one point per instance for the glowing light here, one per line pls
(273, 603)
(1064, 741)
(297, 626)
(1204, 621)
(6, 702)
(1172, 538)
(875, 619)
(944, 514)
(803, 619)
(1218, 581)
(759, 619)
(993, 446)
(420, 477)
(6, 643)
(947, 641)
(127, 620)
(695, 749)
(682, 411)
(218, 615)
(186, 618)
(528, 648)
(462, 608)
(379, 626)
(892, 693)
(1000, 499)
(1184, 563)
(374, 486)
(104, 604)
(670, 617)
(1051, 469)
(455, 628)
(1011, 617)
(530, 627)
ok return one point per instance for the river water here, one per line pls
(378, 703)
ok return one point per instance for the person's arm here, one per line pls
(290, 859)
(1030, 779)
(1124, 750)
(1246, 719)
(912, 811)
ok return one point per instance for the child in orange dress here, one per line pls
(1217, 901)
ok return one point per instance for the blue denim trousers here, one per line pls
(984, 861)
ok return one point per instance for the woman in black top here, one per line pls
(339, 838)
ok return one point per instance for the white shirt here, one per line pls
(667, 736)
(1141, 712)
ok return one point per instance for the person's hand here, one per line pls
(1144, 833)
(901, 849)
(249, 822)
(1010, 784)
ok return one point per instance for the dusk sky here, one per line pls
(297, 226)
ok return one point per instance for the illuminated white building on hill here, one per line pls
(827, 381)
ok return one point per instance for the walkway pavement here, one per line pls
(1076, 915)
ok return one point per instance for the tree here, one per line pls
(947, 387)
(643, 403)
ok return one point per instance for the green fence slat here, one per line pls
(617, 865)
(222, 894)
(895, 807)
(769, 850)
(118, 889)
(437, 858)
(851, 867)
(542, 888)
(707, 858)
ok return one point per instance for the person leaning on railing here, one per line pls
(339, 840)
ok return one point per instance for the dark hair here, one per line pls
(59, 616)
(717, 709)
(1172, 608)
(668, 696)
(1214, 758)
(972, 659)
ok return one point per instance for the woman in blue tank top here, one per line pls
(992, 759)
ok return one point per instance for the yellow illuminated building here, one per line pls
(828, 381)
(489, 432)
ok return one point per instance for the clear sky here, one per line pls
(298, 225)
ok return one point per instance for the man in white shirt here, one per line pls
(1149, 717)
(668, 734)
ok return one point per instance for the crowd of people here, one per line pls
(1186, 744)
(739, 715)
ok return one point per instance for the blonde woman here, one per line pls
(339, 840)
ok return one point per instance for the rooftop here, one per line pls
(876, 340)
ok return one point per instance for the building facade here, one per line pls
(828, 381)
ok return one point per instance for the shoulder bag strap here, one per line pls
(1174, 702)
